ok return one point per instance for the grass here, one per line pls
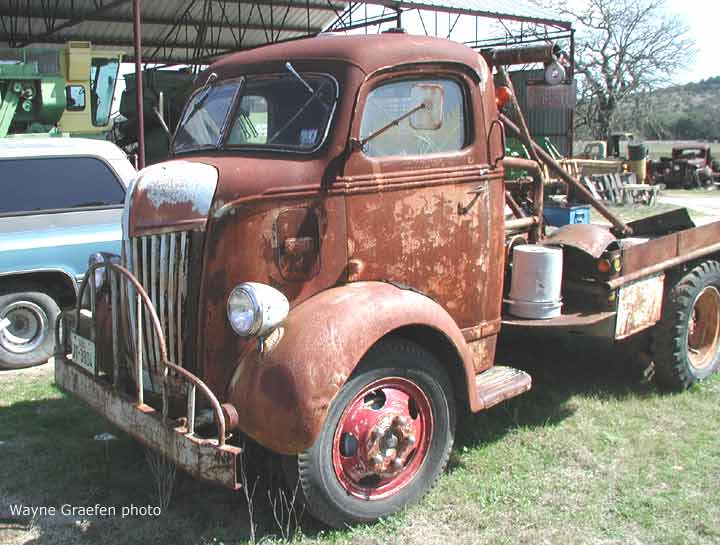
(590, 455)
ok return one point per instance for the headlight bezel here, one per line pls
(269, 307)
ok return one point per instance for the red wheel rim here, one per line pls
(704, 328)
(382, 438)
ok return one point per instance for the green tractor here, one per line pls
(66, 90)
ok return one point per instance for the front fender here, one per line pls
(283, 395)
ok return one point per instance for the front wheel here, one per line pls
(687, 338)
(386, 439)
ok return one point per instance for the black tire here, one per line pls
(29, 339)
(683, 353)
(320, 488)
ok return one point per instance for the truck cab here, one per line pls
(320, 269)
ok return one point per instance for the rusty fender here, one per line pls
(283, 394)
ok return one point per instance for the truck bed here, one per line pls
(659, 243)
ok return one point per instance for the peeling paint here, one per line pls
(179, 182)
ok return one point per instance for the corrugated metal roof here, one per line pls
(187, 30)
(504, 9)
(172, 30)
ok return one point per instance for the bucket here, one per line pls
(535, 291)
(637, 151)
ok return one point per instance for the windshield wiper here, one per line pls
(297, 114)
(360, 144)
(291, 69)
(207, 88)
(294, 72)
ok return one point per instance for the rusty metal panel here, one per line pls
(648, 253)
(592, 239)
(298, 243)
(700, 237)
(639, 306)
(554, 123)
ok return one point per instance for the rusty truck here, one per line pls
(322, 265)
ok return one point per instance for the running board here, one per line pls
(500, 383)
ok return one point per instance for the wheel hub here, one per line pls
(389, 443)
(704, 328)
(26, 329)
(382, 438)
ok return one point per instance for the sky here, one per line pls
(703, 19)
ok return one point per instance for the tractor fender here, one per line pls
(282, 391)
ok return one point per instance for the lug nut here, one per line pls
(411, 440)
(376, 460)
(397, 463)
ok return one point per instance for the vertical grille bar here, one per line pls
(153, 291)
(164, 249)
(145, 271)
(181, 293)
(161, 265)
(172, 297)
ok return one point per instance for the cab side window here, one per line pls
(390, 101)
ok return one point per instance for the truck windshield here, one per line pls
(268, 112)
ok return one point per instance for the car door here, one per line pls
(57, 211)
(419, 201)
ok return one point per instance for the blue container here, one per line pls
(558, 216)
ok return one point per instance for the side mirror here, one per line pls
(432, 96)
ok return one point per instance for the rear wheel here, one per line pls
(27, 323)
(687, 340)
(386, 439)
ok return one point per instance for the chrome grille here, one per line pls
(160, 263)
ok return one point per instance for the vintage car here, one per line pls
(691, 165)
(62, 199)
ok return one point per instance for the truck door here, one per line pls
(424, 208)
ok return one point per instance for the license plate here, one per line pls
(83, 352)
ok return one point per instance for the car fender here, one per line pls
(282, 391)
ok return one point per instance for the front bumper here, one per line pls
(100, 385)
(202, 458)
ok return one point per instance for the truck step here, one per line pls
(500, 383)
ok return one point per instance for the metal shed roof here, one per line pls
(172, 30)
(500, 9)
(188, 31)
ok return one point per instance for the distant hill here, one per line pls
(683, 112)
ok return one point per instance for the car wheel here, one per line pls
(27, 325)
(386, 438)
(687, 339)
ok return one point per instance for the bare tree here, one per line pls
(623, 47)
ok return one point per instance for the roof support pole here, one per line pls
(139, 102)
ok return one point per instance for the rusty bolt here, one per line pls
(376, 460)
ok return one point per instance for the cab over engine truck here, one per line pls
(320, 268)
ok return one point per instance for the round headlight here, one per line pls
(243, 312)
(256, 309)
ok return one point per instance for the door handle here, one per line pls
(298, 245)
(476, 192)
